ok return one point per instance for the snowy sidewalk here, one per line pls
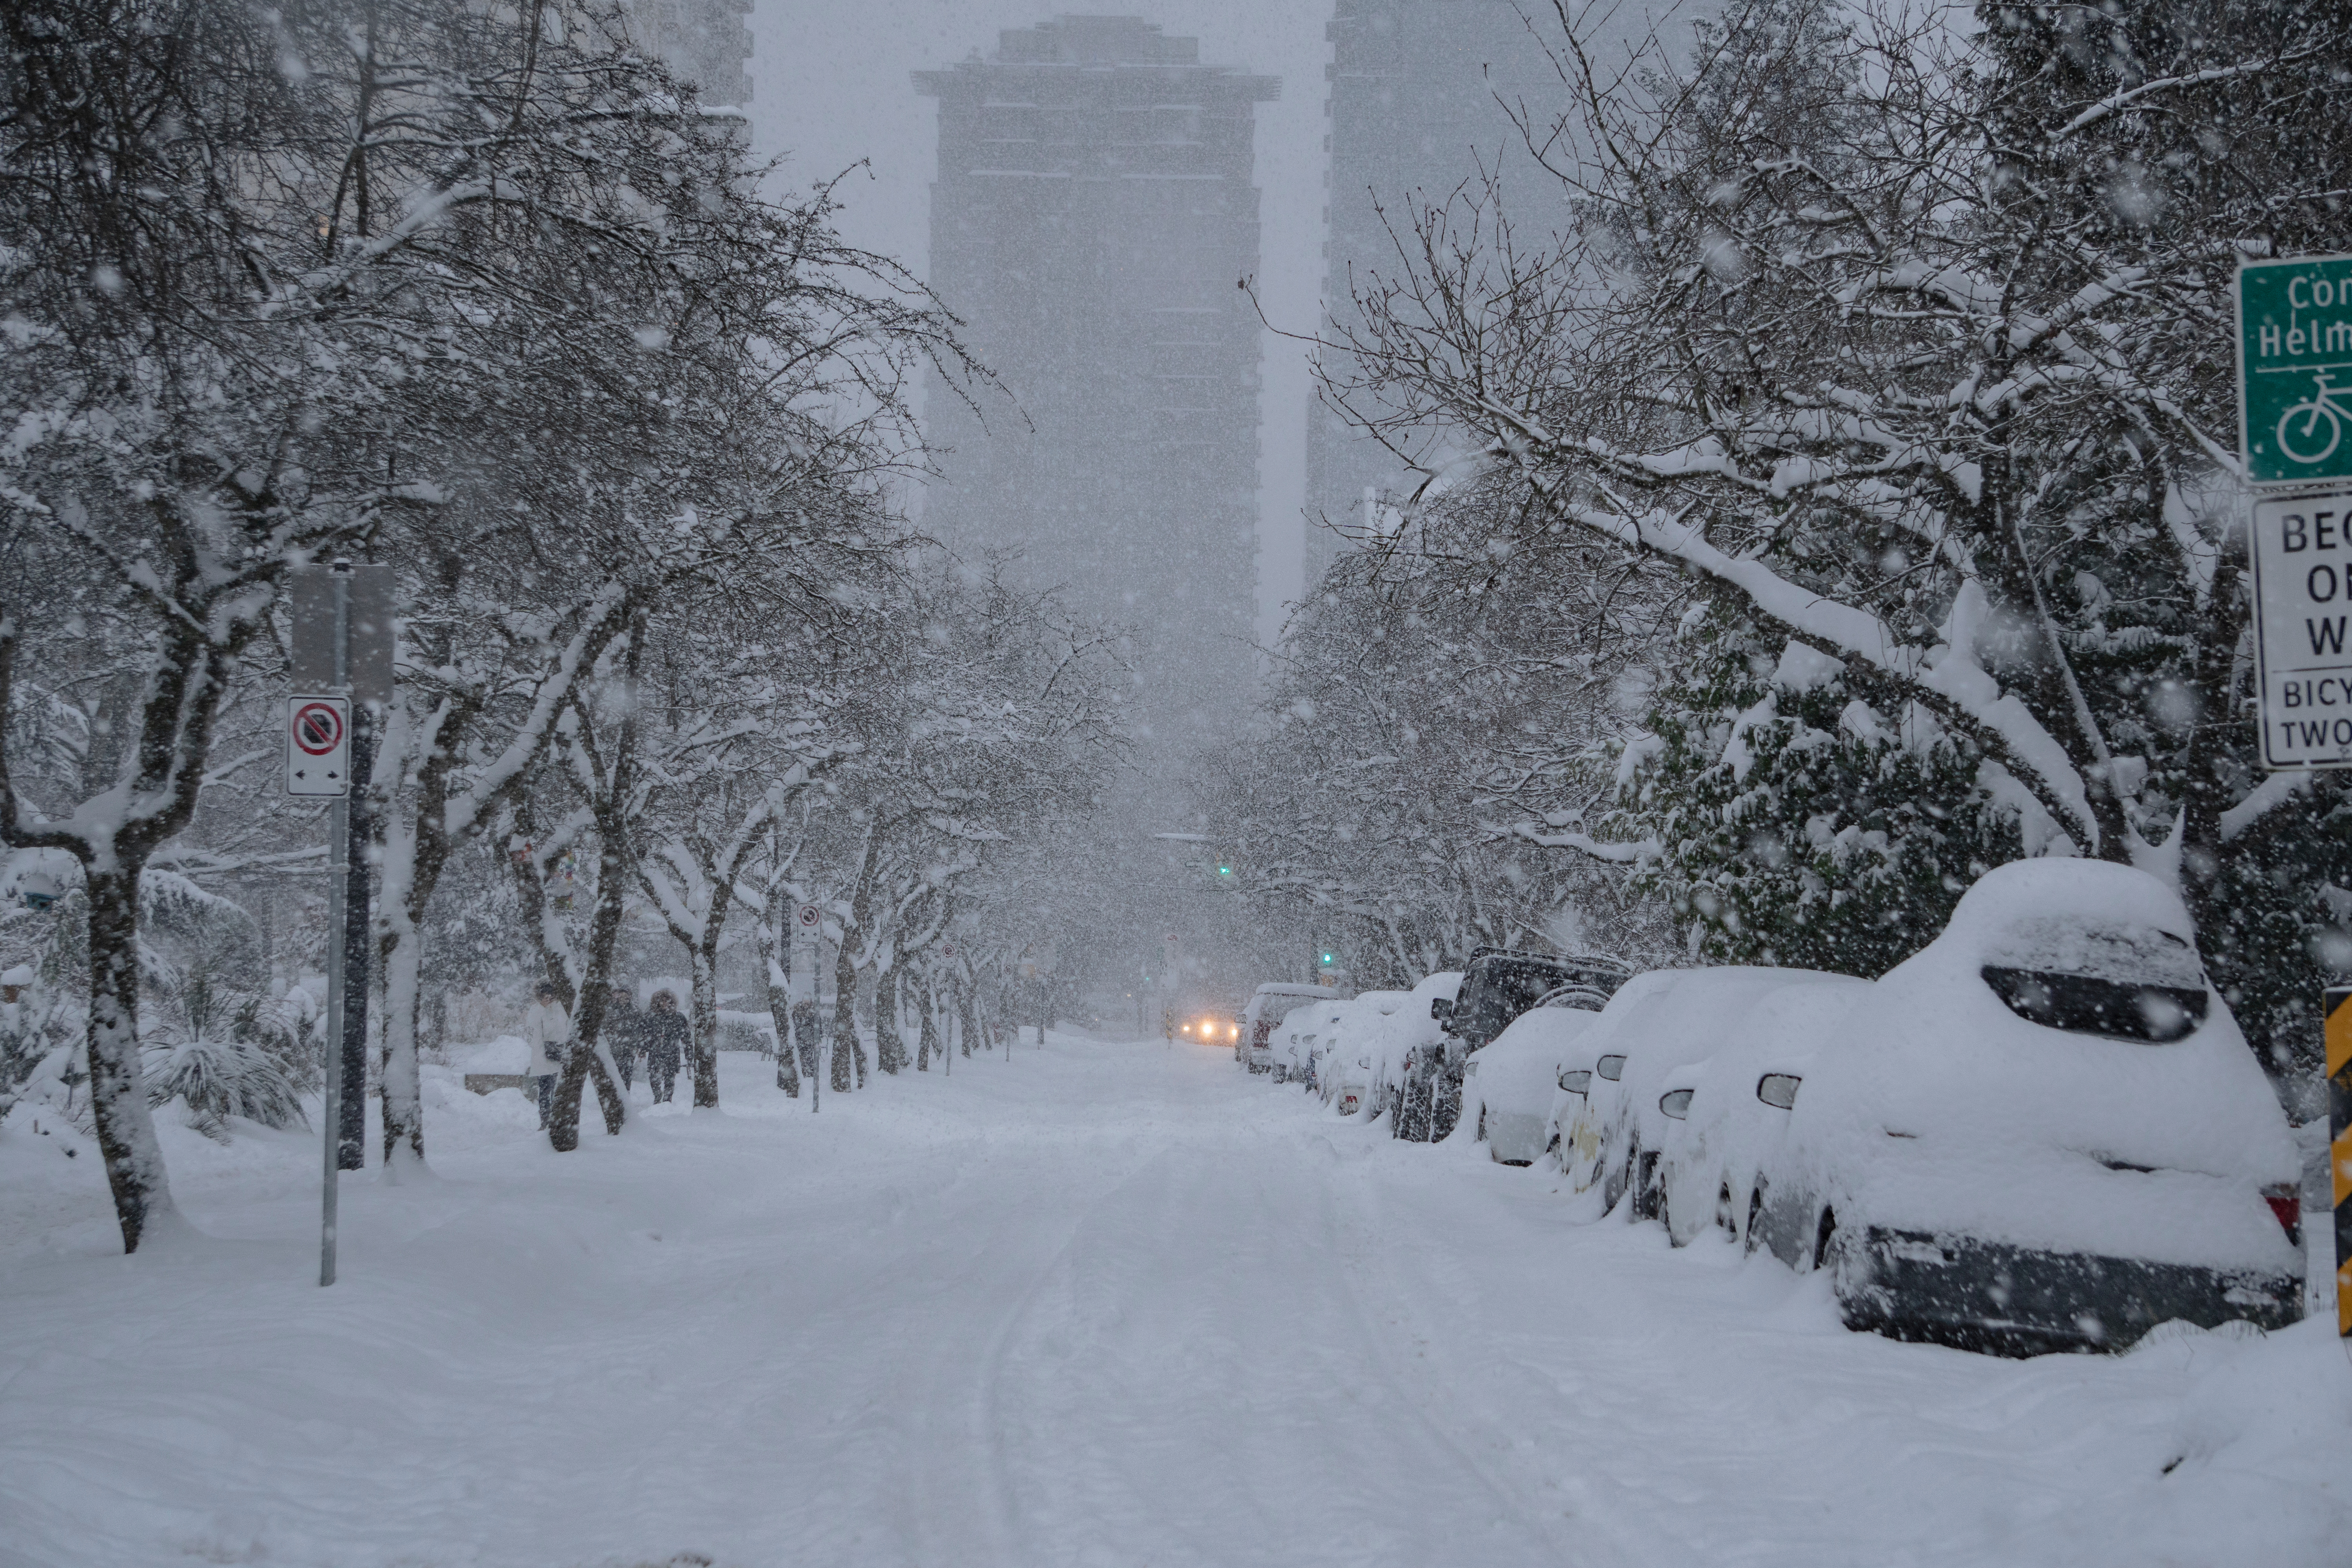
(1104, 1304)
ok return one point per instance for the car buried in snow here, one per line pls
(1343, 1040)
(1508, 1088)
(2041, 1131)
(1499, 985)
(1301, 1037)
(1372, 1068)
(1269, 1005)
(1660, 1022)
(1717, 1142)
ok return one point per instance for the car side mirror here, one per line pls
(1610, 1067)
(1778, 1090)
(1576, 1082)
(1440, 1009)
(1675, 1102)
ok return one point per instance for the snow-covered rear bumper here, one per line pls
(2015, 1300)
(1516, 1138)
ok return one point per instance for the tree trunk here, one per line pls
(118, 1091)
(808, 1038)
(845, 1018)
(706, 1031)
(928, 1000)
(780, 1009)
(889, 1048)
(967, 1021)
(588, 1059)
(401, 953)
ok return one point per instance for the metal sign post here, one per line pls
(2340, 1149)
(342, 650)
(342, 627)
(808, 955)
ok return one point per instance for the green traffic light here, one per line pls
(1225, 870)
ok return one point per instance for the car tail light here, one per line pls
(2286, 1202)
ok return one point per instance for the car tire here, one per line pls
(1755, 1212)
(1824, 1237)
(1725, 1218)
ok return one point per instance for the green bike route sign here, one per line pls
(2294, 369)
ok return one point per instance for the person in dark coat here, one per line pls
(622, 1025)
(664, 1035)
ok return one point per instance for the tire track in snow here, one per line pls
(1425, 1392)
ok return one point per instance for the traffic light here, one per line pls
(1225, 870)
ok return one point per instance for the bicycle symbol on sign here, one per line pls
(2308, 431)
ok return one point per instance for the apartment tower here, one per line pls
(1095, 211)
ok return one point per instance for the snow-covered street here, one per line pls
(1106, 1303)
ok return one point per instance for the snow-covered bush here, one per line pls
(218, 1076)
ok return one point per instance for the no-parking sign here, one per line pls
(317, 745)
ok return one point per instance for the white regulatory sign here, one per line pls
(2303, 603)
(807, 918)
(317, 745)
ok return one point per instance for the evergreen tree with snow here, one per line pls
(1795, 824)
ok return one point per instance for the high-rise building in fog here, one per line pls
(1413, 113)
(1095, 210)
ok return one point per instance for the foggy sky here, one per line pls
(831, 87)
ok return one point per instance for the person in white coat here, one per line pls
(547, 1030)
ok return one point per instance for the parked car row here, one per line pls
(2042, 1132)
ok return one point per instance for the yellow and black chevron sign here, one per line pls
(2339, 1149)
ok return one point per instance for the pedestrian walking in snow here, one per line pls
(664, 1035)
(623, 1026)
(547, 1030)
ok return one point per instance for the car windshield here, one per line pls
(2118, 981)
(2141, 954)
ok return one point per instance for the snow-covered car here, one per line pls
(1590, 1064)
(1269, 1005)
(1498, 985)
(1657, 1023)
(1301, 1037)
(1508, 1088)
(2042, 1132)
(1343, 1042)
(1377, 1068)
(1720, 1138)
